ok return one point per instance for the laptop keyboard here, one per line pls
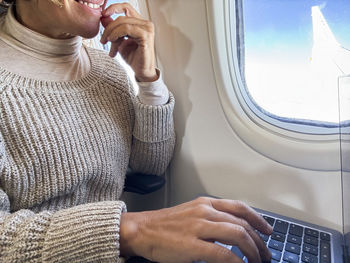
(294, 243)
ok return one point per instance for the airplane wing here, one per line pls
(327, 53)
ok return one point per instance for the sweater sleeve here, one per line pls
(153, 137)
(85, 233)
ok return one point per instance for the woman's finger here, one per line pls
(128, 25)
(219, 216)
(213, 253)
(121, 8)
(232, 234)
(124, 47)
(114, 48)
(122, 19)
(134, 32)
(241, 210)
(106, 21)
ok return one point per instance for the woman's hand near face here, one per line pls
(185, 233)
(133, 38)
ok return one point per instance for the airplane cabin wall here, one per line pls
(209, 157)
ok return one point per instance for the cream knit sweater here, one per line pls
(64, 151)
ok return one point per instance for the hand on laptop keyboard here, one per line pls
(185, 233)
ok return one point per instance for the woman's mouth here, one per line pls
(91, 5)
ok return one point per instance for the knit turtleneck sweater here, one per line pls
(64, 150)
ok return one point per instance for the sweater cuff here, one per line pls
(154, 123)
(85, 233)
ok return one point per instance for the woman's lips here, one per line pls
(96, 5)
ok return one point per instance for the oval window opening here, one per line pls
(292, 54)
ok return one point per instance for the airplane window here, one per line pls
(291, 54)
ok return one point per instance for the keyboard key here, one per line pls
(308, 258)
(278, 237)
(276, 255)
(276, 245)
(281, 226)
(325, 252)
(310, 249)
(325, 236)
(293, 248)
(325, 246)
(311, 240)
(290, 257)
(269, 220)
(294, 239)
(263, 236)
(311, 232)
(323, 260)
(296, 230)
(237, 252)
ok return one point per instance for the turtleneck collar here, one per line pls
(38, 45)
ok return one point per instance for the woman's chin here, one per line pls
(92, 32)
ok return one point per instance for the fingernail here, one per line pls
(269, 228)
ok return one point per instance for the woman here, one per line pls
(70, 125)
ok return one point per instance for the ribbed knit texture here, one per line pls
(64, 151)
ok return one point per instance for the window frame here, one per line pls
(298, 144)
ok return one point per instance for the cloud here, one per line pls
(323, 5)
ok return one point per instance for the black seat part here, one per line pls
(143, 183)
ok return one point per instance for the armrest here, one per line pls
(138, 260)
(142, 183)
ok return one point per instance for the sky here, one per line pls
(280, 74)
(277, 25)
